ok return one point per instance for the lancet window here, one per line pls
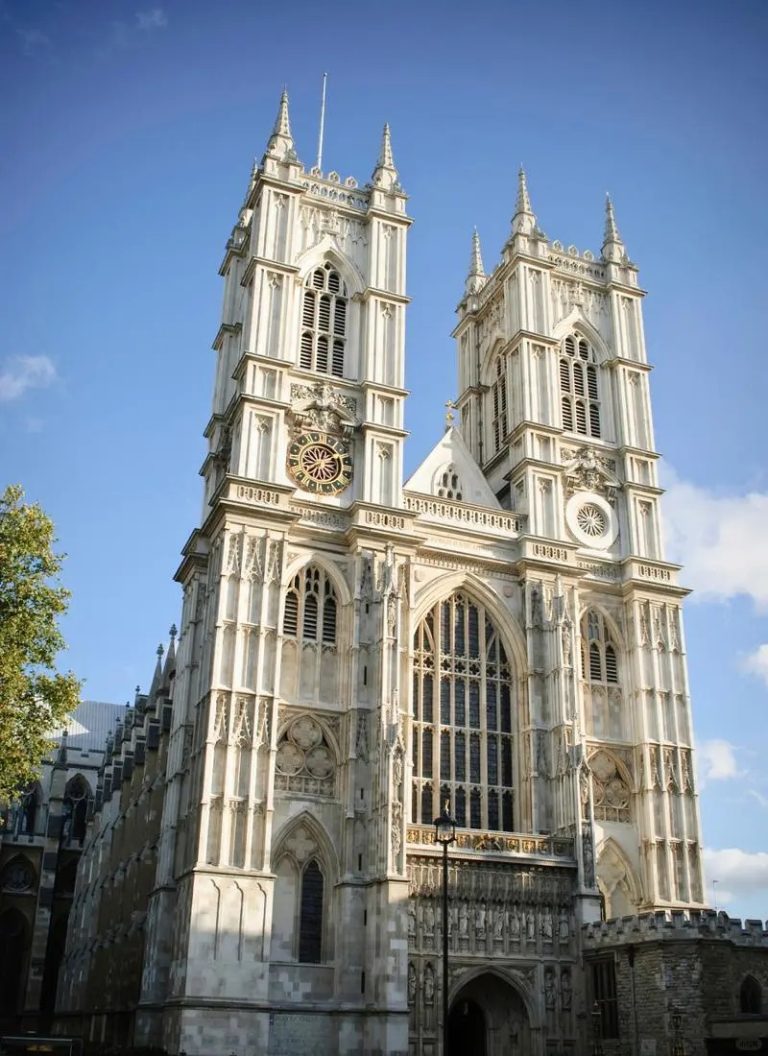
(463, 730)
(323, 323)
(599, 662)
(310, 608)
(311, 914)
(499, 404)
(579, 391)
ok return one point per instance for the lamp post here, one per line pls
(445, 834)
(597, 1033)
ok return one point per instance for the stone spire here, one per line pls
(158, 675)
(476, 275)
(524, 220)
(281, 141)
(385, 173)
(613, 248)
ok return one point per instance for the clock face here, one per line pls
(320, 463)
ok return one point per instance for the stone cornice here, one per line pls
(371, 292)
(269, 265)
(225, 328)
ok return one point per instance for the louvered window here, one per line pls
(471, 747)
(310, 607)
(599, 655)
(499, 404)
(580, 400)
(323, 323)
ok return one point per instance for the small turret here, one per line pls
(613, 248)
(476, 276)
(385, 174)
(280, 144)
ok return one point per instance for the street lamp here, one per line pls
(445, 834)
(597, 1033)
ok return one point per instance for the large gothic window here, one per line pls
(578, 387)
(601, 678)
(323, 323)
(310, 607)
(499, 404)
(463, 730)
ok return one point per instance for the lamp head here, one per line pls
(445, 826)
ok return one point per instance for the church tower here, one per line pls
(281, 865)
(554, 406)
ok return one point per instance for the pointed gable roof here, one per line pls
(451, 450)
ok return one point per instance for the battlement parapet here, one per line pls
(675, 925)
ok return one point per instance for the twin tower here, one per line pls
(501, 633)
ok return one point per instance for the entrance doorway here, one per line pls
(488, 1017)
(466, 1029)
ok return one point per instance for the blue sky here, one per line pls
(129, 129)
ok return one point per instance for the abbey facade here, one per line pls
(501, 633)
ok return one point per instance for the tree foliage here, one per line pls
(34, 698)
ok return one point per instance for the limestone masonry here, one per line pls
(502, 632)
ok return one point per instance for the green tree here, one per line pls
(34, 699)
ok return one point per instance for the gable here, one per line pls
(449, 471)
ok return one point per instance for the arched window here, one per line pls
(578, 387)
(311, 914)
(449, 484)
(751, 997)
(599, 662)
(323, 323)
(310, 607)
(463, 728)
(75, 808)
(499, 404)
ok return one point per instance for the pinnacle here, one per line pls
(476, 274)
(385, 173)
(523, 203)
(386, 160)
(281, 141)
(283, 122)
(611, 230)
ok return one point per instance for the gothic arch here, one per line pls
(327, 851)
(327, 250)
(576, 321)
(622, 878)
(496, 346)
(476, 590)
(512, 979)
(617, 636)
(330, 568)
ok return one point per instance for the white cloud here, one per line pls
(154, 18)
(739, 874)
(757, 663)
(716, 761)
(719, 539)
(25, 372)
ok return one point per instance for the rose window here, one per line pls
(591, 520)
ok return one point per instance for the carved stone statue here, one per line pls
(550, 988)
(530, 926)
(411, 984)
(463, 920)
(513, 917)
(546, 924)
(566, 989)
